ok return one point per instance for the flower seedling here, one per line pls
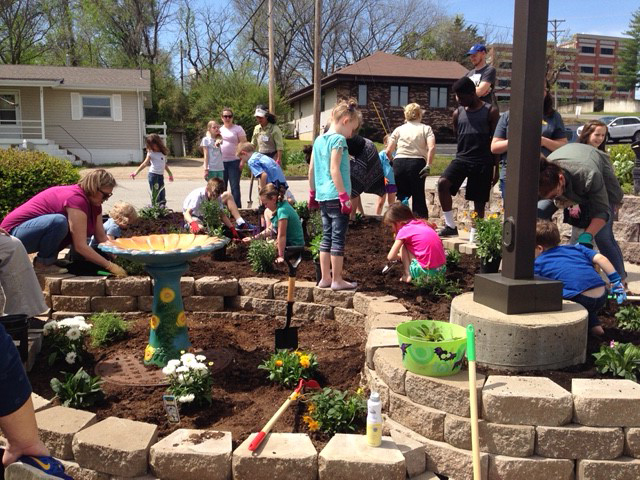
(287, 368)
(261, 255)
(335, 411)
(628, 318)
(78, 389)
(190, 379)
(619, 359)
(64, 339)
(107, 328)
(427, 333)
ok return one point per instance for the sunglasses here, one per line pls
(227, 116)
(105, 195)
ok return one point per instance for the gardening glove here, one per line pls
(425, 171)
(117, 270)
(195, 227)
(586, 239)
(171, 178)
(133, 175)
(234, 233)
(617, 289)
(313, 204)
(345, 203)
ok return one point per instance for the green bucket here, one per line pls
(432, 359)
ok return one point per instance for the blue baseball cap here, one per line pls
(478, 47)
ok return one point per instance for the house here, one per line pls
(384, 84)
(96, 115)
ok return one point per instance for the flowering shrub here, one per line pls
(334, 411)
(65, 339)
(287, 368)
(190, 379)
(488, 236)
(623, 160)
(619, 359)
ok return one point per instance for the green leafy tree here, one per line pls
(629, 65)
(23, 26)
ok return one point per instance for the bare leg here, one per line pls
(21, 432)
(379, 205)
(339, 283)
(444, 194)
(227, 198)
(325, 268)
(355, 205)
(391, 198)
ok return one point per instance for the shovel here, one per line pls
(250, 201)
(267, 428)
(473, 401)
(287, 337)
(387, 268)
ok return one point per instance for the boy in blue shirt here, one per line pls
(264, 168)
(573, 265)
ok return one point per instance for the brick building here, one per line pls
(384, 84)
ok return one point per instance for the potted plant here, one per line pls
(432, 348)
(489, 242)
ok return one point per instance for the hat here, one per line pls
(260, 112)
(478, 47)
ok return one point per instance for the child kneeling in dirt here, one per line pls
(573, 265)
(417, 244)
(122, 216)
(282, 218)
(214, 191)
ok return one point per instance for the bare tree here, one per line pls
(23, 27)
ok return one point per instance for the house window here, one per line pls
(505, 65)
(399, 95)
(584, 49)
(583, 86)
(565, 85)
(362, 94)
(438, 97)
(586, 68)
(504, 82)
(8, 109)
(606, 51)
(96, 107)
(606, 70)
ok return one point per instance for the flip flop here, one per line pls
(35, 468)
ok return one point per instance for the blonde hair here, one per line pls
(385, 139)
(347, 108)
(412, 112)
(96, 180)
(270, 191)
(246, 147)
(124, 213)
(213, 123)
(215, 186)
(155, 140)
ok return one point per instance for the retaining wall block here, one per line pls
(116, 446)
(502, 467)
(630, 209)
(632, 442)
(286, 456)
(349, 457)
(47, 299)
(626, 232)
(257, 287)
(53, 283)
(312, 311)
(239, 302)
(196, 303)
(449, 394)
(577, 441)
(349, 317)
(384, 320)
(302, 293)
(388, 366)
(216, 286)
(630, 251)
(624, 468)
(375, 384)
(454, 462)
(114, 304)
(145, 303)
(57, 426)
(415, 459)
(453, 243)
(334, 298)
(511, 440)
(361, 301)
(76, 471)
(40, 403)
(525, 401)
(426, 476)
(378, 338)
(269, 307)
(425, 421)
(188, 454)
(187, 286)
(71, 304)
(128, 286)
(83, 286)
(606, 403)
(377, 307)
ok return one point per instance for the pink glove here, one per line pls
(313, 205)
(345, 203)
(574, 211)
(171, 178)
(133, 175)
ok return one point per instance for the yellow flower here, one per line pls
(493, 215)
(279, 363)
(295, 395)
(154, 322)
(311, 408)
(313, 425)
(474, 214)
(210, 364)
(304, 361)
(298, 353)
(148, 353)
(167, 295)
(181, 321)
(359, 391)
(307, 419)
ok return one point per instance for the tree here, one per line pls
(23, 26)
(629, 65)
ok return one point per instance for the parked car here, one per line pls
(619, 128)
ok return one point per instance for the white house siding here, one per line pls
(303, 114)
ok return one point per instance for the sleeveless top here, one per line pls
(474, 135)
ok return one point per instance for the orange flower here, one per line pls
(279, 363)
(307, 419)
(304, 361)
(311, 408)
(313, 425)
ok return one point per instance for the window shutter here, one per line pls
(76, 106)
(116, 106)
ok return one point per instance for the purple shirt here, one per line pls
(54, 200)
(230, 140)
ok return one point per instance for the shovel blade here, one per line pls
(286, 338)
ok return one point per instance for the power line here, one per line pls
(555, 22)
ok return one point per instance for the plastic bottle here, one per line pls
(374, 420)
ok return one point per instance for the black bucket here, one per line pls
(17, 326)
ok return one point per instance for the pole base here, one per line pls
(517, 296)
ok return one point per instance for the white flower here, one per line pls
(201, 366)
(79, 318)
(70, 358)
(49, 327)
(188, 398)
(73, 333)
(169, 370)
(188, 358)
(182, 369)
(201, 358)
(181, 378)
(173, 363)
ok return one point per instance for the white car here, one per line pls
(619, 128)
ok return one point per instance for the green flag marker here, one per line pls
(471, 343)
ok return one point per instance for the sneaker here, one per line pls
(447, 231)
(36, 468)
(41, 268)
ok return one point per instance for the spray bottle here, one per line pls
(374, 420)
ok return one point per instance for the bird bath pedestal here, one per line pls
(165, 258)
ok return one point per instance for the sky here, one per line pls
(581, 16)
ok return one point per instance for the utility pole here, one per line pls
(272, 70)
(555, 23)
(181, 66)
(317, 72)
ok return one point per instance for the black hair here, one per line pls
(464, 86)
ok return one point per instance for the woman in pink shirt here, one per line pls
(417, 244)
(232, 136)
(63, 215)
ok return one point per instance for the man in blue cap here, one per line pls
(482, 74)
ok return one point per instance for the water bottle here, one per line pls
(374, 420)
(24, 144)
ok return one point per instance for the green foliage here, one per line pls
(489, 237)
(78, 390)
(64, 339)
(190, 379)
(156, 210)
(335, 411)
(628, 69)
(315, 247)
(427, 333)
(261, 255)
(294, 158)
(287, 368)
(302, 209)
(453, 258)
(629, 318)
(131, 267)
(107, 328)
(438, 285)
(314, 225)
(212, 217)
(24, 174)
(619, 359)
(623, 160)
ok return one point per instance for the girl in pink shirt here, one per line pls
(417, 244)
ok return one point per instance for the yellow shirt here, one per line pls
(411, 140)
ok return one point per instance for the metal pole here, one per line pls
(181, 66)
(317, 72)
(272, 70)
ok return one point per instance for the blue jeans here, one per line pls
(13, 378)
(44, 235)
(157, 179)
(334, 228)
(546, 209)
(593, 306)
(232, 176)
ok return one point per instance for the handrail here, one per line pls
(77, 141)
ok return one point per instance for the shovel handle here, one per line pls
(291, 290)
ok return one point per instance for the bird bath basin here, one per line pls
(165, 258)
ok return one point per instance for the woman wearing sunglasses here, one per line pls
(232, 136)
(64, 215)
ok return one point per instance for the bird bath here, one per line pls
(165, 258)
